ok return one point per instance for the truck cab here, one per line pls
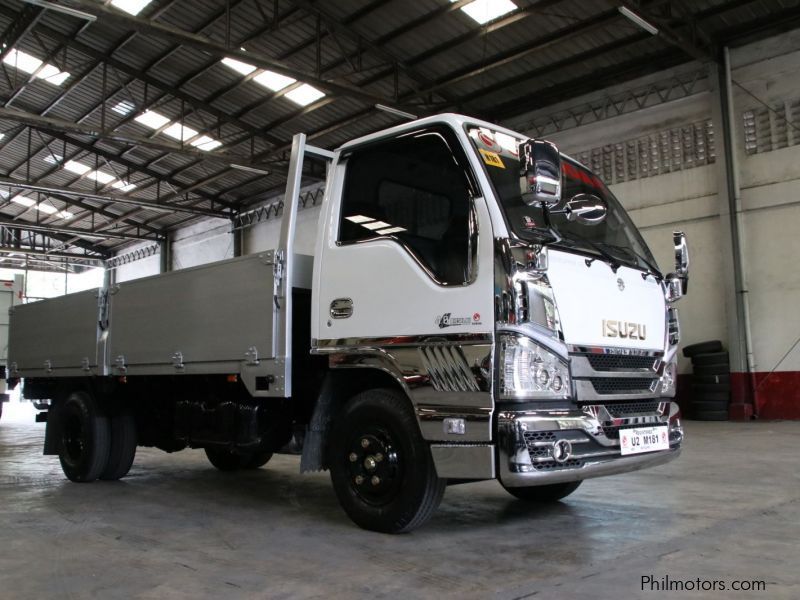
(530, 343)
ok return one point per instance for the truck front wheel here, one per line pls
(85, 438)
(381, 467)
(544, 493)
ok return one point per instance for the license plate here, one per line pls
(643, 439)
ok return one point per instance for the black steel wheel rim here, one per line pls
(375, 465)
(73, 437)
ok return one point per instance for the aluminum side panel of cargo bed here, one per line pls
(205, 318)
(61, 330)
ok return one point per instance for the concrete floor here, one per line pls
(728, 508)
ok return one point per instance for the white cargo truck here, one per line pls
(10, 294)
(478, 306)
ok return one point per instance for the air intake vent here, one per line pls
(448, 369)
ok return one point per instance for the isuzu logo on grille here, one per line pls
(624, 329)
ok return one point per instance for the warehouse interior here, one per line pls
(140, 137)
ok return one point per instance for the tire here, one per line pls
(711, 397)
(123, 447)
(712, 370)
(711, 415)
(702, 348)
(544, 493)
(712, 358)
(85, 438)
(375, 437)
(224, 459)
(703, 406)
(256, 460)
(710, 388)
(723, 380)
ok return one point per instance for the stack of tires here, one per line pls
(711, 381)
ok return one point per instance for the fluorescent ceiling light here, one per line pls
(206, 143)
(376, 225)
(76, 167)
(30, 64)
(391, 230)
(180, 132)
(133, 7)
(359, 219)
(238, 66)
(123, 186)
(304, 94)
(101, 177)
(123, 108)
(484, 11)
(23, 200)
(53, 159)
(633, 17)
(274, 81)
(152, 119)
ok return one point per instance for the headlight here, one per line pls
(529, 371)
(668, 380)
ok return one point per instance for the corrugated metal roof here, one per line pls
(424, 55)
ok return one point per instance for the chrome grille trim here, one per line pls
(602, 374)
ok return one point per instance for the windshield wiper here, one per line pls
(652, 270)
(607, 257)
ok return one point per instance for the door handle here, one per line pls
(342, 308)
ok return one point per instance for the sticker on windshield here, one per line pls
(528, 222)
(491, 158)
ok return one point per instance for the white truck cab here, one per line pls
(478, 306)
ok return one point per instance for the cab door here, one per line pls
(407, 251)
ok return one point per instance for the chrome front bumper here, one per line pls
(530, 441)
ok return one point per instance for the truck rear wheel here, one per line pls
(381, 467)
(544, 493)
(85, 438)
(123, 447)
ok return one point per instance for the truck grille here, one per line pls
(621, 362)
(622, 385)
(624, 409)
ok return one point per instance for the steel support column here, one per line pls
(735, 283)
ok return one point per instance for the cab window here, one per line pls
(413, 189)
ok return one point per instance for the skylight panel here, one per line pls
(47, 209)
(2, 135)
(304, 94)
(123, 108)
(100, 177)
(30, 64)
(359, 219)
(376, 225)
(53, 159)
(76, 167)
(206, 143)
(391, 230)
(133, 7)
(180, 132)
(238, 66)
(484, 11)
(65, 214)
(23, 200)
(274, 81)
(152, 119)
(123, 186)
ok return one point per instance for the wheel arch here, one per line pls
(340, 385)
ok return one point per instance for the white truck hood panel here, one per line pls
(586, 296)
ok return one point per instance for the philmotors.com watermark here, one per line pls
(665, 583)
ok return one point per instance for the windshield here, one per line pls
(616, 237)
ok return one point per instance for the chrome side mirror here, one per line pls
(540, 172)
(586, 209)
(677, 283)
